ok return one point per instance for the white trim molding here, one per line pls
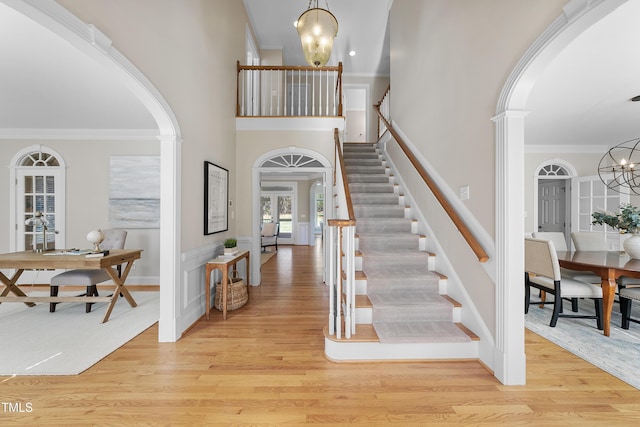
(577, 16)
(96, 45)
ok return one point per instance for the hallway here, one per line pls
(265, 365)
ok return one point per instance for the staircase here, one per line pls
(402, 310)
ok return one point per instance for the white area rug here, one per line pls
(69, 341)
(618, 354)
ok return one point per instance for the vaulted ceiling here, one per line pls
(583, 98)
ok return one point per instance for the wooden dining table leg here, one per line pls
(608, 295)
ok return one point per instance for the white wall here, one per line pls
(87, 195)
(253, 144)
(585, 164)
(188, 49)
(446, 76)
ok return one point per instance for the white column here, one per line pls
(510, 359)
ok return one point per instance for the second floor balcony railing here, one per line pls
(281, 91)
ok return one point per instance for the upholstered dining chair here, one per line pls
(627, 295)
(542, 271)
(560, 243)
(269, 235)
(589, 241)
(113, 239)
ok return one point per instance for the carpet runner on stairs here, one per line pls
(405, 295)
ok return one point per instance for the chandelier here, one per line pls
(619, 168)
(317, 28)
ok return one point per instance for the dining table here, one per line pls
(609, 265)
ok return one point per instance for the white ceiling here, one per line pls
(582, 98)
(584, 95)
(48, 84)
(362, 27)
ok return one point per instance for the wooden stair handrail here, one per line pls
(347, 193)
(451, 212)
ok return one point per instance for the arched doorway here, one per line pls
(290, 163)
(97, 46)
(578, 15)
(552, 197)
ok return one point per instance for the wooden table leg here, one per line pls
(207, 291)
(10, 286)
(223, 283)
(248, 283)
(120, 289)
(608, 295)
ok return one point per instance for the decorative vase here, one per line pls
(231, 251)
(632, 246)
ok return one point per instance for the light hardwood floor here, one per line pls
(265, 366)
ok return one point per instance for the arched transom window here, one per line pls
(39, 187)
(292, 161)
(553, 170)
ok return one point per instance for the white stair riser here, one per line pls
(353, 351)
(364, 315)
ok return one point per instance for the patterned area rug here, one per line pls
(617, 354)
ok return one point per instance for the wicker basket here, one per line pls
(237, 295)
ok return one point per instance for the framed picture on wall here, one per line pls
(216, 198)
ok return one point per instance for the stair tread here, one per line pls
(402, 292)
(404, 299)
(420, 332)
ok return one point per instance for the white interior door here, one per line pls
(551, 205)
(356, 111)
(39, 189)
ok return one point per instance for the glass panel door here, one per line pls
(285, 216)
(39, 190)
(278, 204)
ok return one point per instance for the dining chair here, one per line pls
(593, 241)
(560, 243)
(542, 271)
(113, 239)
(589, 241)
(627, 295)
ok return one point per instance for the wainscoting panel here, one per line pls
(302, 238)
(193, 282)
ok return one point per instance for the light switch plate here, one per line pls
(464, 192)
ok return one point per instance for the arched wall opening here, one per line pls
(97, 46)
(291, 160)
(510, 122)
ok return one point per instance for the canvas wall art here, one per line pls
(134, 192)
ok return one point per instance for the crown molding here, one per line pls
(78, 134)
(565, 148)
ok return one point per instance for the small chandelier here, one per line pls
(317, 28)
(619, 168)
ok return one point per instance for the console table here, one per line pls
(223, 263)
(26, 260)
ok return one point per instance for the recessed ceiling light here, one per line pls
(636, 98)
(352, 53)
